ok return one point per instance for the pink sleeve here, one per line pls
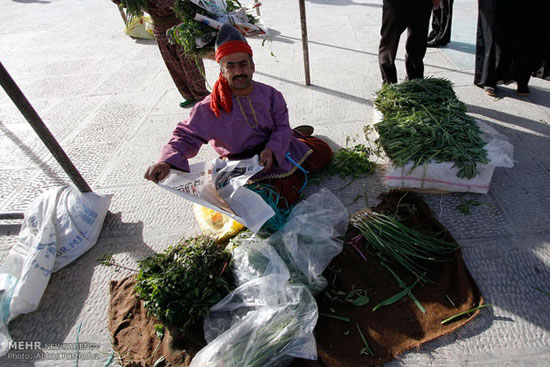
(185, 142)
(281, 135)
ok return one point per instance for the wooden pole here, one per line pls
(40, 128)
(304, 40)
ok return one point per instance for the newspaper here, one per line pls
(219, 185)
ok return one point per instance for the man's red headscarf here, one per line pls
(221, 93)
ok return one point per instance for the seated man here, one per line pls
(242, 118)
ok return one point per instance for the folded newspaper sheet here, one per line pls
(219, 185)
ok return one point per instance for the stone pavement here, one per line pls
(111, 104)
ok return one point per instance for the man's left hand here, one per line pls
(266, 158)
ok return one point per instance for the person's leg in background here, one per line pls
(393, 24)
(185, 72)
(419, 21)
(440, 34)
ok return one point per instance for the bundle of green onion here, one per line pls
(395, 242)
(424, 121)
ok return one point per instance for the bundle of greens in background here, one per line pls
(134, 8)
(423, 121)
(196, 38)
(180, 285)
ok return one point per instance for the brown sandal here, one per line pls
(490, 91)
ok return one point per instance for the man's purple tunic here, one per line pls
(256, 120)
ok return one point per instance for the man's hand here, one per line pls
(157, 172)
(437, 4)
(266, 158)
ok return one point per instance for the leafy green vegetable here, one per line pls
(395, 242)
(352, 162)
(465, 206)
(159, 331)
(424, 121)
(187, 32)
(180, 285)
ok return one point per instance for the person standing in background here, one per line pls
(441, 24)
(512, 38)
(398, 15)
(186, 72)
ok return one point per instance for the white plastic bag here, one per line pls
(59, 226)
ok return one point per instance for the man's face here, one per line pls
(237, 68)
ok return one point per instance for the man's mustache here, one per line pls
(239, 76)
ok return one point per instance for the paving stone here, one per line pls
(486, 220)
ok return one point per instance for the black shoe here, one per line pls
(523, 90)
(434, 43)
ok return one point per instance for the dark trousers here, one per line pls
(398, 15)
(441, 23)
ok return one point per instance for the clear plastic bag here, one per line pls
(269, 319)
(312, 237)
(265, 322)
(254, 259)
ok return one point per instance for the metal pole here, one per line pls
(304, 40)
(257, 7)
(43, 132)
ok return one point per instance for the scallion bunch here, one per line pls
(395, 242)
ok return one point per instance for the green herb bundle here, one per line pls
(424, 121)
(180, 285)
(186, 33)
(394, 242)
(352, 162)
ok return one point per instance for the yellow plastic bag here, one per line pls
(216, 225)
(140, 27)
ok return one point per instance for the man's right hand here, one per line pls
(157, 172)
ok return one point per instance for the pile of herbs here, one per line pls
(180, 285)
(424, 121)
(187, 33)
(353, 161)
